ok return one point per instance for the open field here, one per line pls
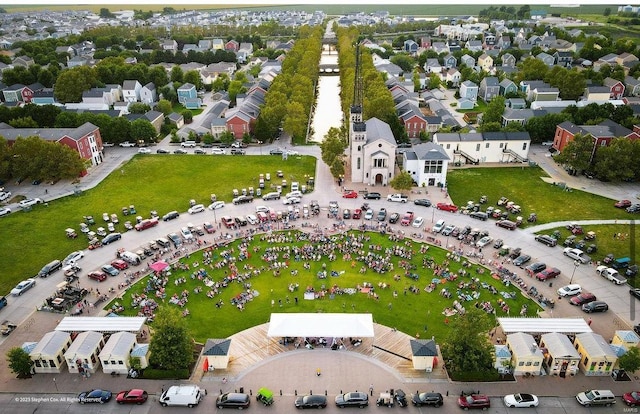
(150, 182)
(419, 312)
(525, 186)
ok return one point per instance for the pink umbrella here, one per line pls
(159, 266)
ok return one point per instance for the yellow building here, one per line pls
(596, 356)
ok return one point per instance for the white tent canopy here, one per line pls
(336, 325)
(101, 324)
(568, 326)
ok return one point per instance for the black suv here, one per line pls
(242, 200)
(50, 268)
(394, 218)
(372, 196)
(479, 215)
(546, 239)
(427, 398)
(170, 216)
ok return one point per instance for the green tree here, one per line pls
(531, 69)
(177, 74)
(141, 129)
(171, 346)
(402, 182)
(612, 163)
(72, 82)
(543, 128)
(139, 108)
(164, 106)
(106, 14)
(337, 167)
(406, 62)
(227, 137)
(467, 348)
(332, 147)
(434, 81)
(221, 83)
(158, 75)
(117, 131)
(577, 154)
(494, 110)
(630, 361)
(235, 87)
(187, 116)
(26, 122)
(20, 362)
(5, 159)
(193, 77)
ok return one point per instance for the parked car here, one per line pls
(180, 151)
(448, 230)
(170, 216)
(520, 400)
(407, 219)
(98, 275)
(483, 241)
(546, 239)
(623, 204)
(162, 151)
(372, 196)
(110, 270)
(311, 401)
(216, 205)
(120, 264)
(595, 306)
(479, 215)
(632, 399)
(569, 290)
(23, 287)
(635, 208)
(357, 213)
(134, 396)
(94, 396)
(522, 259)
(5, 211)
(350, 194)
(110, 238)
(218, 151)
(28, 202)
(50, 268)
(536, 267)
(382, 214)
(548, 273)
(352, 399)
(635, 292)
(422, 202)
(73, 257)
(474, 401)
(582, 298)
(577, 254)
(368, 215)
(427, 398)
(447, 207)
(276, 151)
(233, 400)
(418, 222)
(596, 397)
(198, 208)
(438, 227)
(506, 224)
(393, 219)
(144, 150)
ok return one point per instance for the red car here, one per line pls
(447, 207)
(472, 401)
(208, 227)
(623, 204)
(548, 273)
(407, 219)
(631, 398)
(97, 275)
(583, 298)
(357, 213)
(350, 194)
(120, 264)
(134, 396)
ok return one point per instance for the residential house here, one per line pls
(115, 356)
(469, 90)
(170, 45)
(410, 47)
(432, 65)
(96, 96)
(82, 355)
(176, 119)
(632, 86)
(85, 139)
(504, 42)
(424, 354)
(453, 76)
(473, 45)
(232, 46)
(43, 97)
(131, 91)
(440, 47)
(602, 133)
(560, 357)
(24, 61)
(468, 61)
(508, 87)
(413, 121)
(595, 93)
(148, 94)
(485, 62)
(597, 357)
(48, 354)
(615, 86)
(465, 104)
(526, 356)
(626, 339)
(516, 103)
(564, 59)
(546, 58)
(520, 116)
(217, 44)
(156, 119)
(489, 88)
(450, 61)
(476, 147)
(502, 359)
(427, 163)
(425, 42)
(508, 60)
(542, 93)
(204, 44)
(489, 41)
(17, 93)
(187, 93)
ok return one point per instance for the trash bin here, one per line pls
(241, 390)
(550, 284)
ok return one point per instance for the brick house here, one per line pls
(601, 134)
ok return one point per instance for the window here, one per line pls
(433, 167)
(536, 364)
(358, 163)
(448, 146)
(379, 163)
(486, 145)
(521, 363)
(528, 363)
(501, 144)
(38, 363)
(106, 362)
(477, 147)
(524, 146)
(586, 361)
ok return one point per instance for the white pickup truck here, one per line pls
(127, 144)
(397, 198)
(611, 274)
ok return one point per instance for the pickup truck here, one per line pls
(611, 275)
(127, 144)
(397, 198)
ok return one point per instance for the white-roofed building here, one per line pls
(560, 357)
(569, 326)
(83, 352)
(114, 357)
(48, 354)
(526, 356)
(132, 324)
(597, 357)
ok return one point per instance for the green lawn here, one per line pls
(525, 186)
(411, 313)
(150, 182)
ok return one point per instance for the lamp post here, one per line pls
(433, 213)
(56, 384)
(260, 145)
(576, 264)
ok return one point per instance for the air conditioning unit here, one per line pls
(429, 369)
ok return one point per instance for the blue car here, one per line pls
(94, 396)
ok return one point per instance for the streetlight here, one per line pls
(260, 144)
(576, 264)
(56, 384)
(433, 213)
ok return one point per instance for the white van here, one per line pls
(185, 395)
(131, 258)
(295, 186)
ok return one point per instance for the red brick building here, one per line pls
(602, 134)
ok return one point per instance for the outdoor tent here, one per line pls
(567, 326)
(101, 324)
(333, 325)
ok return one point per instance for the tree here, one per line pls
(72, 82)
(235, 87)
(467, 348)
(577, 153)
(141, 129)
(543, 128)
(193, 77)
(164, 106)
(630, 361)
(176, 74)
(171, 345)
(20, 362)
(494, 110)
(614, 162)
(187, 116)
(139, 108)
(332, 147)
(402, 182)
(26, 122)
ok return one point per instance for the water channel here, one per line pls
(328, 111)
